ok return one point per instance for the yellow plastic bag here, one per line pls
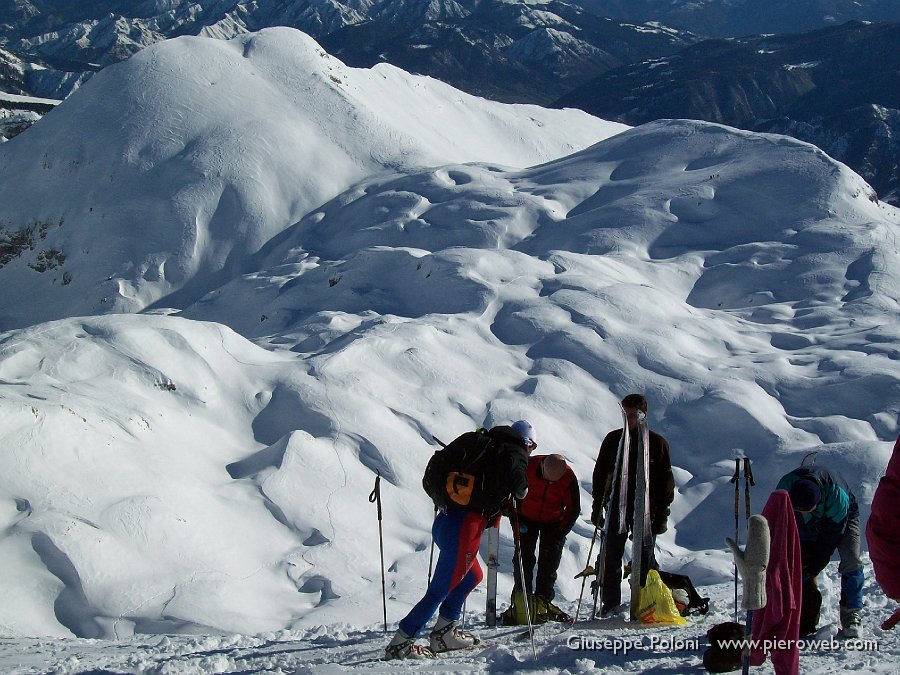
(656, 604)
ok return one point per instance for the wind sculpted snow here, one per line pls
(208, 472)
(160, 179)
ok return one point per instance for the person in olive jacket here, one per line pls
(661, 486)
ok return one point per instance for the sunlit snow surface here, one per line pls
(186, 490)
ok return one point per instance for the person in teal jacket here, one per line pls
(827, 520)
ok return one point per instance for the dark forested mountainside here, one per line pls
(837, 87)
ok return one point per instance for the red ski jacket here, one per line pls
(551, 502)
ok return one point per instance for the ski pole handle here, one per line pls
(375, 495)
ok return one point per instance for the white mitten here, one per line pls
(752, 561)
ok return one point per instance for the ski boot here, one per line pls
(402, 646)
(515, 614)
(611, 608)
(851, 623)
(547, 611)
(446, 637)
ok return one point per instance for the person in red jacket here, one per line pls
(546, 516)
(883, 526)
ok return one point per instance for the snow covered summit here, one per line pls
(161, 179)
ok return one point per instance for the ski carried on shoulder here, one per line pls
(614, 487)
(640, 529)
(493, 565)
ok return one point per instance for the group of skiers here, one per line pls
(498, 474)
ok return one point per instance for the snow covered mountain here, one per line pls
(207, 149)
(368, 258)
(506, 51)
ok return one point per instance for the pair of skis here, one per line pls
(618, 497)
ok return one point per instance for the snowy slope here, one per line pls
(206, 149)
(639, 263)
(207, 471)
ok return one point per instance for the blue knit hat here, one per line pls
(526, 431)
(805, 494)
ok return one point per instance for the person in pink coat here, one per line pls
(883, 526)
(779, 619)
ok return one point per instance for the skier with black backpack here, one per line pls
(470, 481)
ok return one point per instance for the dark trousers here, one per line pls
(815, 554)
(549, 540)
(612, 568)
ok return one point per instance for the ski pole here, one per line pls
(431, 555)
(748, 481)
(736, 479)
(618, 483)
(745, 652)
(585, 574)
(375, 498)
(514, 521)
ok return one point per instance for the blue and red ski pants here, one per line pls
(457, 533)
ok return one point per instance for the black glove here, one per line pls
(659, 526)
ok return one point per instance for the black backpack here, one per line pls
(725, 652)
(683, 582)
(464, 475)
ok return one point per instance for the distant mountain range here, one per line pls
(501, 50)
(838, 88)
(525, 51)
(630, 61)
(736, 18)
(512, 52)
